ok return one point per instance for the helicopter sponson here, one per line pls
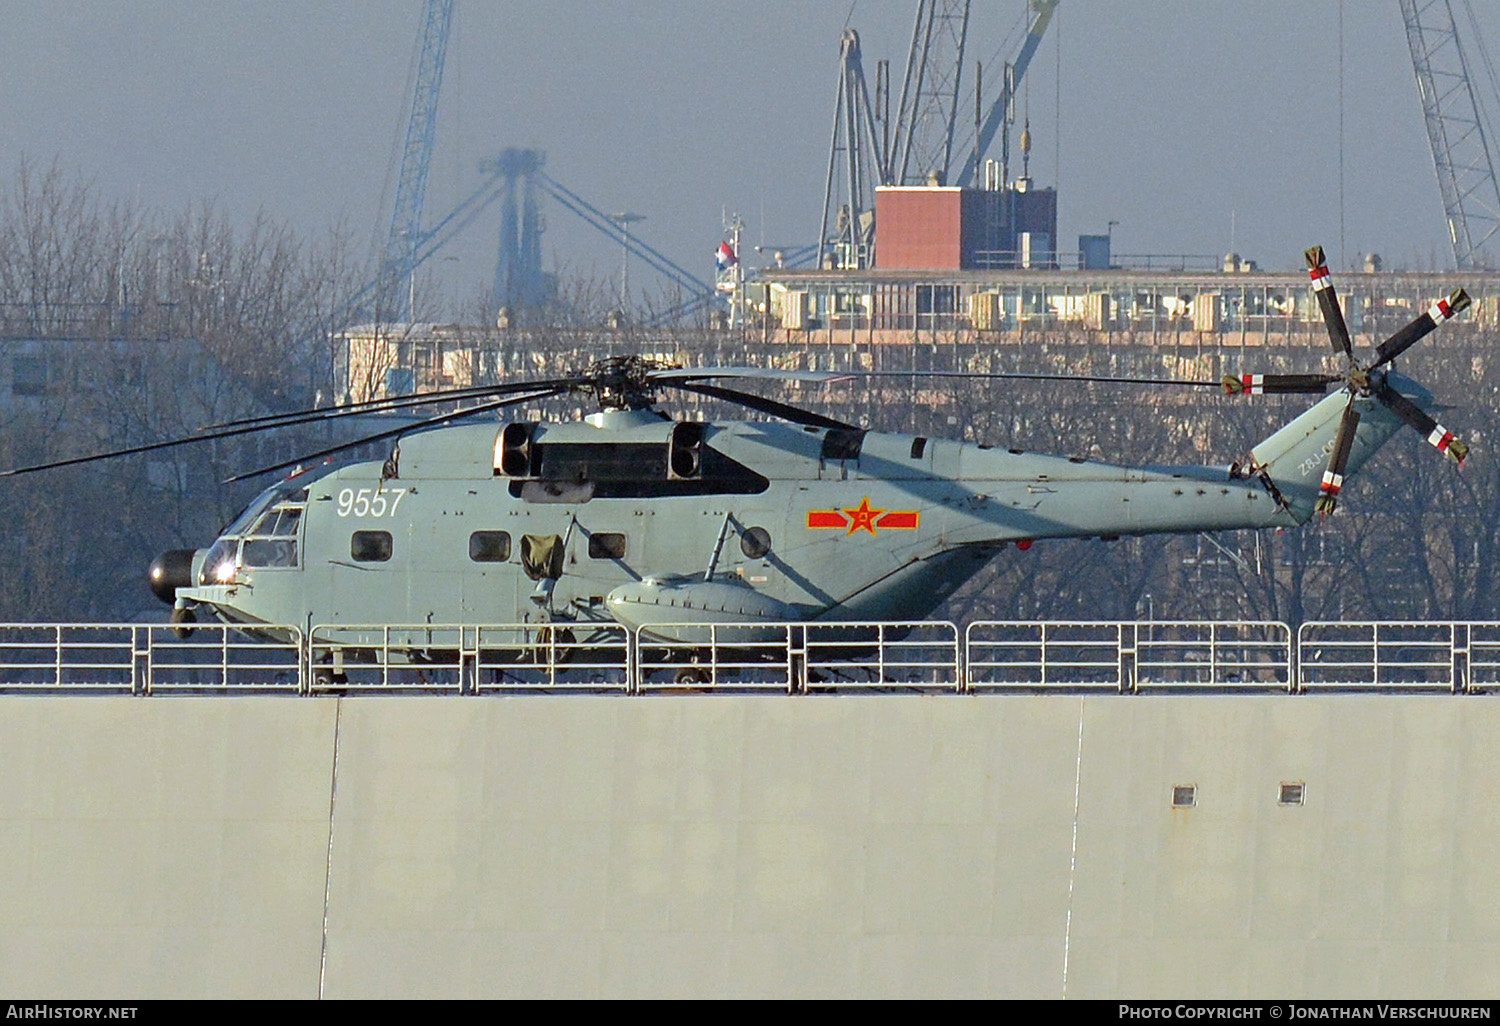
(680, 610)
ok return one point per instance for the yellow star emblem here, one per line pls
(862, 518)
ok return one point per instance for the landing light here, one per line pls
(224, 572)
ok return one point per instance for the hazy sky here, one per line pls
(1196, 126)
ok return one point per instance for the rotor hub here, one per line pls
(622, 382)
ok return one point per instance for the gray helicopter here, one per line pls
(631, 517)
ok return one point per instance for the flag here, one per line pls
(724, 257)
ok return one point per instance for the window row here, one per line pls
(484, 546)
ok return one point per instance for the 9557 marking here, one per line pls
(370, 502)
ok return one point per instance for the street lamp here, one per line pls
(623, 221)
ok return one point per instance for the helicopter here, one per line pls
(631, 517)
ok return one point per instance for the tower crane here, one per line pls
(1456, 127)
(929, 95)
(999, 112)
(394, 299)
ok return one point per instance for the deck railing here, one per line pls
(1121, 657)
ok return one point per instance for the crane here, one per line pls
(929, 95)
(1456, 127)
(922, 148)
(849, 195)
(923, 139)
(999, 112)
(394, 299)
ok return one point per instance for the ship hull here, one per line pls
(703, 845)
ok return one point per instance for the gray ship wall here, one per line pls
(734, 846)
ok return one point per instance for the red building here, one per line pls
(933, 228)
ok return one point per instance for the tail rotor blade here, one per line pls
(1333, 477)
(1278, 384)
(1436, 315)
(1328, 302)
(1439, 437)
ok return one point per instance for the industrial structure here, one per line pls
(395, 281)
(872, 161)
(520, 282)
(939, 206)
(1458, 127)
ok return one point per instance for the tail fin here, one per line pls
(1295, 457)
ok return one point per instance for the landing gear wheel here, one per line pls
(183, 615)
(323, 677)
(689, 675)
(554, 646)
(329, 674)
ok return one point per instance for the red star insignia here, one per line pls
(862, 518)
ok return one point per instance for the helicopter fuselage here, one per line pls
(632, 517)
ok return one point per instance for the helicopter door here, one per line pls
(839, 458)
(491, 586)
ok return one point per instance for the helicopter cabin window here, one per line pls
(489, 546)
(370, 546)
(606, 546)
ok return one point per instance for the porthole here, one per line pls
(755, 543)
(1184, 796)
(489, 546)
(1292, 793)
(606, 546)
(370, 546)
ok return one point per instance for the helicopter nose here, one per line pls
(169, 571)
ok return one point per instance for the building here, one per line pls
(1236, 305)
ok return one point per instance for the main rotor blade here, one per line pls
(1437, 314)
(760, 403)
(430, 422)
(1017, 376)
(1328, 302)
(395, 402)
(250, 425)
(1439, 437)
(134, 450)
(672, 374)
(1333, 477)
(1278, 384)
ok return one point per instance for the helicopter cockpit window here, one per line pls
(264, 535)
(489, 546)
(276, 496)
(370, 546)
(606, 546)
(272, 541)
